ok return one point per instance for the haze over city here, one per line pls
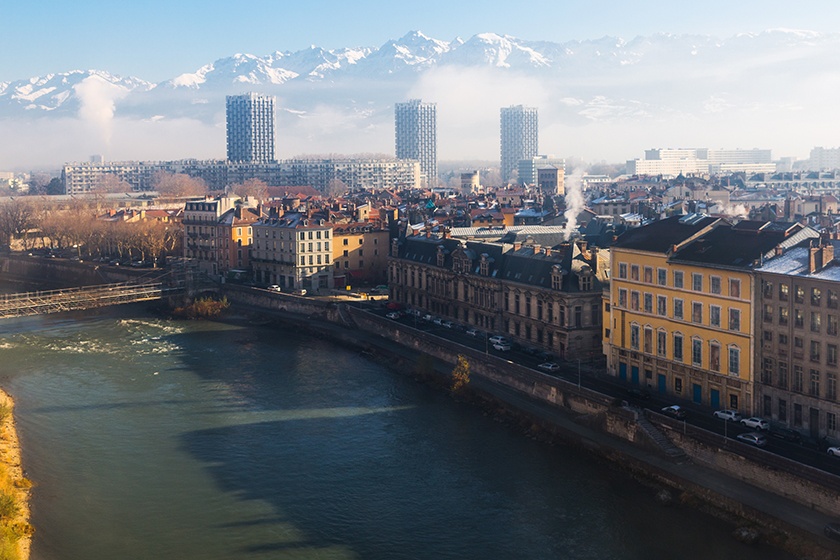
(609, 79)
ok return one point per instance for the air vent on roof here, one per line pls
(692, 219)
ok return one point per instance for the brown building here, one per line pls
(360, 254)
(541, 297)
(797, 327)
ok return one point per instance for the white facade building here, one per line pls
(415, 125)
(250, 128)
(519, 137)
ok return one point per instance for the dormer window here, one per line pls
(556, 277)
(585, 278)
(485, 265)
(441, 256)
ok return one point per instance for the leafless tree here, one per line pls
(178, 185)
(251, 188)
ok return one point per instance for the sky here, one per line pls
(159, 39)
(607, 119)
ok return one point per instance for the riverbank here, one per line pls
(15, 530)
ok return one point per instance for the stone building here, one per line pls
(797, 322)
(541, 297)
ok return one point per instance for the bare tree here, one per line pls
(251, 188)
(336, 187)
(110, 183)
(178, 185)
(17, 218)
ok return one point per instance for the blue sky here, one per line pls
(157, 39)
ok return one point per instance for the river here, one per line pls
(155, 439)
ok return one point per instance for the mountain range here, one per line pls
(743, 91)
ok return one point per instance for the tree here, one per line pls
(251, 188)
(178, 185)
(460, 375)
(17, 217)
(336, 187)
(110, 183)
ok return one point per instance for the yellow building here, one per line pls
(360, 253)
(681, 316)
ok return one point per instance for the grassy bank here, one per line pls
(15, 530)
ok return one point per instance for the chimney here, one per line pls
(536, 248)
(779, 251)
(548, 251)
(517, 245)
(827, 253)
(593, 255)
(814, 260)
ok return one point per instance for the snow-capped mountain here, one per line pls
(763, 83)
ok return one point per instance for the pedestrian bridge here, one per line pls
(86, 297)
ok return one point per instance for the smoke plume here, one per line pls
(575, 203)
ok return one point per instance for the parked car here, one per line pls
(731, 415)
(438, 321)
(473, 332)
(275, 288)
(393, 314)
(783, 432)
(447, 324)
(832, 531)
(675, 411)
(753, 438)
(549, 366)
(756, 423)
(502, 346)
(833, 451)
(300, 292)
(498, 339)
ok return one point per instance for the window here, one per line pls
(799, 294)
(734, 319)
(831, 354)
(714, 315)
(678, 347)
(830, 422)
(578, 316)
(767, 371)
(697, 282)
(696, 351)
(831, 299)
(783, 339)
(816, 320)
(648, 347)
(798, 318)
(797, 379)
(696, 312)
(634, 337)
(678, 309)
(634, 301)
(783, 316)
(783, 292)
(648, 275)
(831, 324)
(714, 284)
(815, 351)
(768, 313)
(622, 270)
(662, 306)
(661, 276)
(816, 297)
(797, 415)
(831, 386)
(734, 360)
(767, 289)
(782, 410)
(714, 356)
(783, 375)
(814, 386)
(734, 288)
(661, 343)
(622, 298)
(648, 303)
(634, 272)
(678, 279)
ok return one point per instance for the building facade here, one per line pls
(519, 137)
(204, 240)
(797, 323)
(360, 254)
(415, 125)
(681, 307)
(250, 128)
(541, 297)
(293, 252)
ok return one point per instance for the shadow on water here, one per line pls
(367, 464)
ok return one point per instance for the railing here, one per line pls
(88, 297)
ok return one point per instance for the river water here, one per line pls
(156, 439)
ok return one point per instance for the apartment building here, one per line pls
(797, 325)
(681, 306)
(360, 253)
(293, 252)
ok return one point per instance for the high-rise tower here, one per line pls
(250, 128)
(520, 137)
(415, 123)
